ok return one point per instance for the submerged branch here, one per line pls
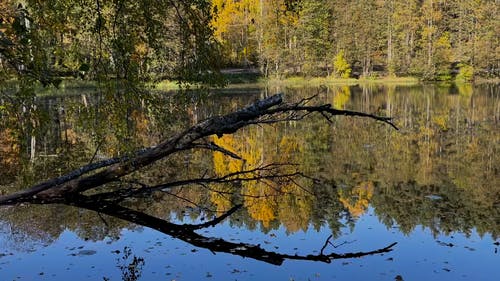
(268, 172)
(68, 189)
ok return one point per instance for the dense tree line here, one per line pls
(128, 41)
(431, 39)
(188, 40)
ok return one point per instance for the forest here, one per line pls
(429, 39)
(103, 168)
(190, 41)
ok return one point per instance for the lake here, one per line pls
(354, 188)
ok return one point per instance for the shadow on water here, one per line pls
(187, 233)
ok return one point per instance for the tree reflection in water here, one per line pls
(187, 234)
(439, 172)
(130, 266)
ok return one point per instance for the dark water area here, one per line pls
(432, 187)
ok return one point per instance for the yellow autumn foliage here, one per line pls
(358, 198)
(9, 148)
(341, 97)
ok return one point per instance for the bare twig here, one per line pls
(327, 108)
(215, 221)
(187, 233)
(326, 244)
(214, 147)
(267, 110)
(260, 173)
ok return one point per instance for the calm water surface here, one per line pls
(433, 187)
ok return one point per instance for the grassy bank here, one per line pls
(325, 81)
(245, 80)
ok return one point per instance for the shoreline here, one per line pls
(254, 80)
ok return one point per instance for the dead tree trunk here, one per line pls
(269, 110)
(68, 188)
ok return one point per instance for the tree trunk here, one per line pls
(268, 110)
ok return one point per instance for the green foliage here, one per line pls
(313, 32)
(444, 75)
(134, 41)
(465, 73)
(188, 41)
(341, 66)
(443, 57)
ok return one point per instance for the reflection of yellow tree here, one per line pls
(294, 204)
(9, 148)
(288, 148)
(222, 164)
(265, 201)
(464, 89)
(341, 97)
(220, 198)
(259, 205)
(358, 198)
(295, 209)
(248, 148)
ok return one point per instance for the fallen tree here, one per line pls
(70, 188)
(266, 111)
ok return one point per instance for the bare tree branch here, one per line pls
(187, 234)
(327, 108)
(326, 244)
(267, 172)
(214, 147)
(262, 111)
(215, 221)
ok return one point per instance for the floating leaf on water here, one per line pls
(86, 253)
(433, 197)
(444, 243)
